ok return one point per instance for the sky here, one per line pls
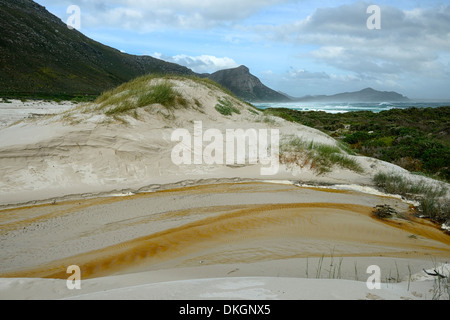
(299, 47)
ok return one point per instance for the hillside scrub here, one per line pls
(432, 197)
(415, 139)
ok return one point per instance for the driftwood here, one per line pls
(384, 211)
(435, 274)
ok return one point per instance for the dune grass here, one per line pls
(431, 197)
(226, 108)
(393, 183)
(320, 157)
(157, 89)
(140, 93)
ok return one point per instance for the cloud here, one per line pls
(301, 74)
(150, 15)
(200, 64)
(410, 41)
(328, 45)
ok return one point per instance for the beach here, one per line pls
(270, 230)
(105, 196)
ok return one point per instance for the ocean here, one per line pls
(340, 107)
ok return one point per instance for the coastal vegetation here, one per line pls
(431, 197)
(55, 97)
(416, 139)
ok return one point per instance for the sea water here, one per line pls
(340, 107)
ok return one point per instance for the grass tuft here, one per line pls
(139, 93)
(433, 203)
(226, 108)
(162, 93)
(320, 157)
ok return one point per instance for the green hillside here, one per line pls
(40, 55)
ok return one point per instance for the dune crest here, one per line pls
(110, 146)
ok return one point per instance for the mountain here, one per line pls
(365, 95)
(41, 56)
(246, 86)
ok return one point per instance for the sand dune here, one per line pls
(83, 189)
(83, 151)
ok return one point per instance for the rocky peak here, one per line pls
(245, 85)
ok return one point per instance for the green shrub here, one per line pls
(417, 139)
(356, 137)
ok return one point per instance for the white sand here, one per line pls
(201, 284)
(15, 110)
(220, 235)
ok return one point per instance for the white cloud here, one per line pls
(301, 74)
(149, 15)
(200, 64)
(328, 44)
(415, 41)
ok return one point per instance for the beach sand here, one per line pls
(105, 196)
(213, 231)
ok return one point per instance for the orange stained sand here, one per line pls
(13, 218)
(256, 225)
(16, 218)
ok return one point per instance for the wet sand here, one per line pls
(207, 226)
